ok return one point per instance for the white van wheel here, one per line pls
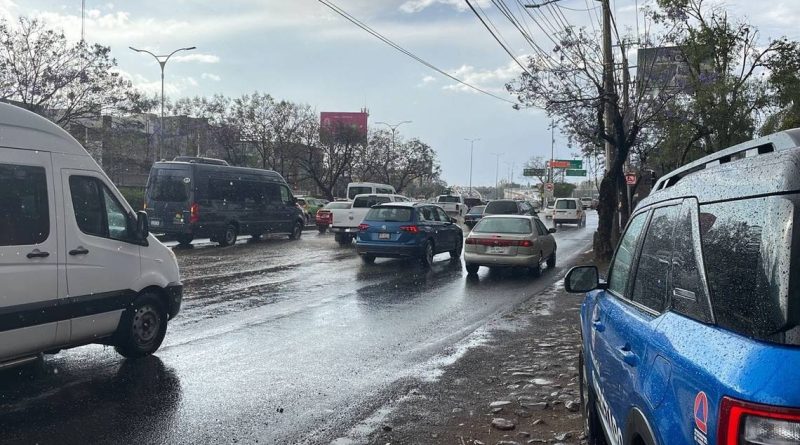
(142, 327)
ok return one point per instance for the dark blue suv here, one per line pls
(408, 230)
(695, 337)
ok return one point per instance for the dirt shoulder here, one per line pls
(520, 387)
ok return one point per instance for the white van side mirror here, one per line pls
(142, 225)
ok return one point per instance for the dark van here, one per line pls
(188, 200)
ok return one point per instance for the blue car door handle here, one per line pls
(627, 355)
(598, 326)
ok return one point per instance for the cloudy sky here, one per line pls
(301, 51)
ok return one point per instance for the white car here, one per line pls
(548, 211)
(569, 211)
(77, 264)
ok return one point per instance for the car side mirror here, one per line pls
(552, 230)
(582, 279)
(142, 225)
(453, 220)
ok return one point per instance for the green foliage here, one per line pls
(134, 196)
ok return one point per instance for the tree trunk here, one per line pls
(603, 244)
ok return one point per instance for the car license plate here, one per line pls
(383, 236)
(495, 250)
(155, 222)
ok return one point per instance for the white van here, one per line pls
(77, 264)
(569, 210)
(368, 188)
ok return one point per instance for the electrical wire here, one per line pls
(408, 53)
(498, 39)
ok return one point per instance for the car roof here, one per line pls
(361, 195)
(405, 204)
(510, 216)
(769, 164)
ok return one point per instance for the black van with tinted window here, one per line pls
(193, 198)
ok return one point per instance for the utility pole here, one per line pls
(608, 79)
(471, 152)
(83, 20)
(497, 176)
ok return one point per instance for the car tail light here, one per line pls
(745, 423)
(363, 227)
(410, 229)
(499, 242)
(194, 213)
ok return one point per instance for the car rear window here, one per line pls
(449, 199)
(369, 201)
(566, 204)
(169, 185)
(747, 249)
(501, 208)
(389, 214)
(504, 225)
(353, 191)
(476, 210)
(338, 205)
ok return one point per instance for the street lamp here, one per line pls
(497, 176)
(393, 127)
(162, 61)
(471, 150)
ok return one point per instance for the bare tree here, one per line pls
(42, 72)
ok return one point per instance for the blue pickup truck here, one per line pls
(695, 336)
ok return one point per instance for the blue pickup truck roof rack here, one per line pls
(774, 142)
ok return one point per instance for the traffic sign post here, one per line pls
(549, 186)
(630, 178)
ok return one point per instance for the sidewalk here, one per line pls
(521, 387)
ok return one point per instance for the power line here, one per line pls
(399, 48)
(498, 39)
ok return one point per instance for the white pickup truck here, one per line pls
(345, 222)
(452, 204)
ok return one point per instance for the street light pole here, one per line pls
(393, 127)
(471, 152)
(497, 176)
(162, 62)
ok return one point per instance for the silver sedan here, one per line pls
(510, 241)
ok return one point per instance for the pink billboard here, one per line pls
(333, 119)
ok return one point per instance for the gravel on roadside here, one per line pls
(520, 387)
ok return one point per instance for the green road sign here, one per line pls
(576, 172)
(534, 172)
(575, 164)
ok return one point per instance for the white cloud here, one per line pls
(173, 86)
(428, 79)
(412, 6)
(195, 57)
(210, 76)
(493, 80)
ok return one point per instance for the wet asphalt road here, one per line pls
(278, 342)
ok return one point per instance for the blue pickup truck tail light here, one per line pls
(744, 423)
